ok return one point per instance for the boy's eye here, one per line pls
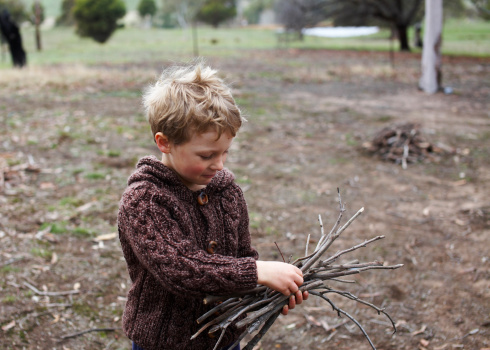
(205, 157)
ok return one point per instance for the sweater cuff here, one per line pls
(247, 278)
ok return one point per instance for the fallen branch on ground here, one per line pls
(77, 334)
(257, 309)
(405, 144)
(38, 292)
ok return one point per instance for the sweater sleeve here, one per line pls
(151, 239)
(245, 248)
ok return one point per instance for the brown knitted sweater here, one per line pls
(164, 234)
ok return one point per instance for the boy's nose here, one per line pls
(219, 164)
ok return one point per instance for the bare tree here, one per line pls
(430, 80)
(483, 7)
(184, 10)
(37, 23)
(397, 14)
(298, 14)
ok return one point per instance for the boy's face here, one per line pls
(198, 160)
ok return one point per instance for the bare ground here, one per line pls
(71, 135)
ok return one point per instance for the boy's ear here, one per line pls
(162, 142)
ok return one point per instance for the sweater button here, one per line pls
(212, 245)
(202, 199)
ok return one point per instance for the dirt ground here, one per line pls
(70, 136)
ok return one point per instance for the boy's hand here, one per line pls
(285, 278)
(294, 300)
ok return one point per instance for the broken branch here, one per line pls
(262, 306)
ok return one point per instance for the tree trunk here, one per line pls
(11, 33)
(430, 81)
(402, 30)
(194, 38)
(37, 15)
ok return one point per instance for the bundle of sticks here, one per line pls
(403, 144)
(257, 309)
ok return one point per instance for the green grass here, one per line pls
(9, 299)
(469, 35)
(42, 253)
(63, 46)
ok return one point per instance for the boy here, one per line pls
(183, 222)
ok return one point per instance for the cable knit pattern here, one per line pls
(164, 235)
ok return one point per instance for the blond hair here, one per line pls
(190, 99)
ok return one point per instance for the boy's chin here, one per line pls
(206, 179)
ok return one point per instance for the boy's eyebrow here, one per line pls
(213, 150)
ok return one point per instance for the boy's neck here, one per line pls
(193, 187)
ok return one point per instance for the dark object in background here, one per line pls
(418, 35)
(10, 31)
(405, 143)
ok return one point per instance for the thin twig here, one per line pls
(284, 260)
(361, 245)
(329, 241)
(307, 244)
(38, 292)
(11, 261)
(340, 311)
(262, 332)
(77, 334)
(262, 305)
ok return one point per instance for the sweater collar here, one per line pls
(150, 168)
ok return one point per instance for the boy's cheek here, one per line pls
(195, 170)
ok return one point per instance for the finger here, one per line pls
(298, 271)
(292, 302)
(285, 310)
(293, 288)
(298, 280)
(306, 295)
(299, 297)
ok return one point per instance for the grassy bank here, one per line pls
(61, 45)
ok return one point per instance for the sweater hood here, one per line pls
(151, 169)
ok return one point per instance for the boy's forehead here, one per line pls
(211, 138)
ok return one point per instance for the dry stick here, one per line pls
(224, 327)
(307, 244)
(220, 338)
(250, 307)
(342, 281)
(325, 276)
(11, 261)
(281, 300)
(322, 233)
(329, 242)
(323, 237)
(343, 267)
(342, 252)
(340, 311)
(209, 299)
(405, 155)
(74, 335)
(218, 319)
(223, 305)
(284, 260)
(262, 331)
(351, 296)
(337, 223)
(38, 292)
(347, 266)
(263, 307)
